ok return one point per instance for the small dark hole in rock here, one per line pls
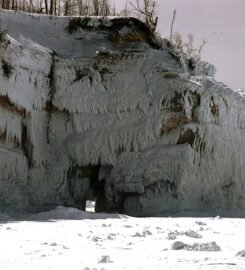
(187, 137)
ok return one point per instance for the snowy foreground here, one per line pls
(66, 238)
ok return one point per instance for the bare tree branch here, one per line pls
(172, 25)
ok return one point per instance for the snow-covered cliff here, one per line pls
(101, 108)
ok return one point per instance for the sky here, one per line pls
(220, 22)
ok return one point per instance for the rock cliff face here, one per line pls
(101, 108)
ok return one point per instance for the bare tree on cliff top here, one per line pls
(147, 11)
(143, 9)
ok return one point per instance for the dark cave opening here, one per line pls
(187, 137)
(88, 184)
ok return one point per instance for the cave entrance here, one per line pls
(86, 185)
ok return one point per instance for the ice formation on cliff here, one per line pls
(101, 108)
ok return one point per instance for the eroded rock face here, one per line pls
(101, 108)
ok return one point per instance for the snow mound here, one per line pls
(59, 212)
(5, 217)
(70, 213)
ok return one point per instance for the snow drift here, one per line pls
(100, 108)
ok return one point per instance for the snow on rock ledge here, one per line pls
(100, 108)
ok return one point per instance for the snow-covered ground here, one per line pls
(66, 238)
